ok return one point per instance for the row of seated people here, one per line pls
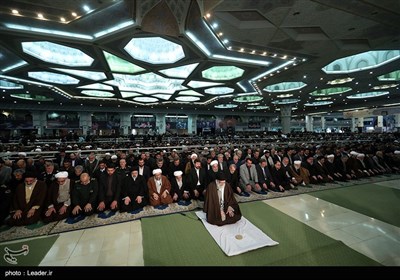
(130, 191)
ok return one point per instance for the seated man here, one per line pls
(159, 189)
(220, 204)
(248, 177)
(299, 174)
(58, 198)
(84, 196)
(133, 192)
(179, 187)
(28, 201)
(109, 190)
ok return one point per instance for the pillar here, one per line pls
(125, 123)
(286, 113)
(192, 124)
(353, 124)
(309, 123)
(323, 128)
(380, 121)
(85, 122)
(39, 120)
(160, 123)
(360, 124)
(397, 121)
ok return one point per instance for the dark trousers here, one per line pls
(56, 216)
(133, 205)
(24, 220)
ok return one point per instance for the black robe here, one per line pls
(212, 207)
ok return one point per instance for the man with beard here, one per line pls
(220, 205)
(28, 201)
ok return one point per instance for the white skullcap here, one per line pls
(114, 157)
(88, 147)
(353, 153)
(164, 151)
(360, 155)
(23, 154)
(330, 156)
(397, 152)
(69, 147)
(178, 173)
(157, 171)
(174, 150)
(38, 150)
(62, 174)
(46, 145)
(236, 149)
(205, 148)
(193, 156)
(297, 162)
(214, 162)
(107, 154)
(99, 148)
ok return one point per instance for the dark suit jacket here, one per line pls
(193, 179)
(37, 198)
(115, 187)
(134, 188)
(175, 188)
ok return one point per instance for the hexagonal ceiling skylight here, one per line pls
(330, 91)
(222, 73)
(392, 76)
(362, 61)
(32, 97)
(154, 50)
(187, 98)
(248, 98)
(163, 96)
(97, 86)
(97, 93)
(385, 86)
(190, 93)
(126, 94)
(57, 54)
(285, 86)
(10, 85)
(180, 71)
(285, 101)
(219, 90)
(200, 84)
(145, 99)
(260, 107)
(318, 103)
(367, 94)
(92, 75)
(340, 81)
(225, 106)
(148, 83)
(53, 78)
(118, 64)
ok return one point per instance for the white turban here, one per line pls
(22, 154)
(396, 152)
(193, 156)
(330, 156)
(157, 171)
(178, 173)
(62, 174)
(114, 157)
(214, 162)
(353, 153)
(297, 162)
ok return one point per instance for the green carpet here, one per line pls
(38, 249)
(372, 200)
(183, 240)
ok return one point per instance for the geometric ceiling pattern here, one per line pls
(234, 56)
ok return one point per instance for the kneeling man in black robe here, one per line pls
(220, 205)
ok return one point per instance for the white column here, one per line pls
(85, 121)
(286, 114)
(39, 121)
(353, 124)
(397, 120)
(192, 124)
(309, 124)
(380, 121)
(360, 122)
(160, 123)
(125, 123)
(323, 123)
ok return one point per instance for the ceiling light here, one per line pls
(217, 73)
(225, 106)
(285, 86)
(74, 14)
(86, 8)
(53, 78)
(97, 93)
(187, 98)
(155, 50)
(368, 94)
(180, 71)
(15, 12)
(62, 19)
(118, 64)
(219, 90)
(200, 84)
(145, 99)
(40, 16)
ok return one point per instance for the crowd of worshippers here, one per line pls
(72, 185)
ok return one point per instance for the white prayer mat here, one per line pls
(237, 238)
